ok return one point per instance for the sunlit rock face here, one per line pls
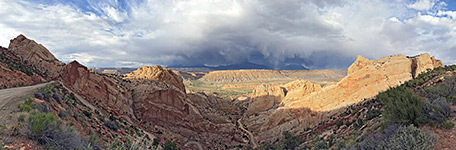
(365, 79)
(158, 73)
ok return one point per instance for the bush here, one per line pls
(41, 107)
(447, 125)
(64, 113)
(25, 108)
(289, 141)
(437, 110)
(39, 95)
(87, 113)
(409, 137)
(169, 145)
(111, 125)
(52, 134)
(21, 118)
(321, 145)
(402, 106)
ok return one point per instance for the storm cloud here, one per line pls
(313, 33)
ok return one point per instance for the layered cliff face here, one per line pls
(157, 107)
(255, 74)
(107, 93)
(37, 55)
(17, 71)
(264, 97)
(365, 78)
(158, 73)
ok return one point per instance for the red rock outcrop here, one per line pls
(105, 92)
(157, 73)
(36, 55)
(156, 106)
(15, 72)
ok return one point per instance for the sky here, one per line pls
(317, 34)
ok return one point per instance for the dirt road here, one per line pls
(10, 98)
(251, 137)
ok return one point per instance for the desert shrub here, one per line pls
(155, 142)
(371, 114)
(437, 110)
(321, 145)
(87, 113)
(289, 141)
(268, 146)
(447, 125)
(401, 105)
(57, 98)
(25, 108)
(21, 118)
(409, 137)
(446, 90)
(39, 95)
(52, 134)
(169, 145)
(111, 125)
(41, 107)
(64, 113)
(374, 139)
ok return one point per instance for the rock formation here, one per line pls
(256, 74)
(158, 73)
(365, 78)
(37, 55)
(264, 97)
(158, 107)
(15, 72)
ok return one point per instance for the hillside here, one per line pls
(252, 75)
(154, 107)
(419, 112)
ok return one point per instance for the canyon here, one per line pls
(181, 106)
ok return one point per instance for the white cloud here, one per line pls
(422, 5)
(317, 33)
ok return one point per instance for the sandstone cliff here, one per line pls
(365, 78)
(36, 55)
(157, 107)
(158, 73)
(255, 74)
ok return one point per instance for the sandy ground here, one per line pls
(10, 98)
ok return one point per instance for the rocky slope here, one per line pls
(157, 73)
(37, 55)
(152, 98)
(158, 107)
(248, 75)
(365, 78)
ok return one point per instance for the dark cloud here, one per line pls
(313, 33)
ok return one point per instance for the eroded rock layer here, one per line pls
(158, 73)
(365, 78)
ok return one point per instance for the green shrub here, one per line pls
(25, 108)
(447, 125)
(401, 105)
(289, 141)
(48, 131)
(169, 145)
(437, 110)
(321, 145)
(87, 113)
(409, 137)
